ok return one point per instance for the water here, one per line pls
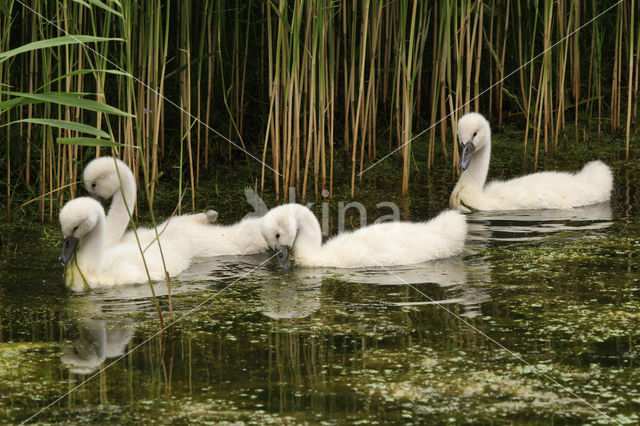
(421, 344)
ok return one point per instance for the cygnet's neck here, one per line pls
(476, 174)
(119, 211)
(91, 246)
(308, 233)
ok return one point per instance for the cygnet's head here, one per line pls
(78, 217)
(101, 178)
(474, 134)
(279, 229)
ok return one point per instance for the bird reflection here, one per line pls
(522, 225)
(103, 327)
(95, 341)
(293, 296)
(462, 281)
(297, 294)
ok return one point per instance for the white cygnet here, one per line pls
(83, 227)
(543, 190)
(295, 227)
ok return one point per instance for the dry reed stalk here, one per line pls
(617, 70)
(323, 76)
(358, 111)
(491, 64)
(501, 68)
(630, 84)
(561, 90)
(575, 75)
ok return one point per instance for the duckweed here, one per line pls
(532, 331)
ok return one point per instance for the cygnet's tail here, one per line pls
(598, 175)
(453, 224)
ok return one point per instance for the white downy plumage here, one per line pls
(544, 190)
(393, 243)
(83, 225)
(102, 178)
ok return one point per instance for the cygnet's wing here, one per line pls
(551, 190)
(399, 243)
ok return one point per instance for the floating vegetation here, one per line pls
(470, 386)
(313, 346)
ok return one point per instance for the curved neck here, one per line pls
(308, 232)
(119, 211)
(476, 174)
(90, 246)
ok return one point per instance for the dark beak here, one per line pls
(466, 156)
(283, 256)
(68, 247)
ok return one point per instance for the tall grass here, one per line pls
(313, 87)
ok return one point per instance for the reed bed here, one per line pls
(310, 87)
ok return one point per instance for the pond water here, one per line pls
(538, 321)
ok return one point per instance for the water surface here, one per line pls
(438, 342)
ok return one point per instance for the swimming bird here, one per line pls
(543, 190)
(110, 178)
(83, 224)
(104, 179)
(295, 227)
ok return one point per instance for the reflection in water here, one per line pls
(102, 333)
(333, 298)
(290, 295)
(521, 225)
(342, 345)
(460, 279)
(100, 330)
(206, 270)
(96, 341)
(296, 293)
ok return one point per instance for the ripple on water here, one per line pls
(528, 225)
(356, 344)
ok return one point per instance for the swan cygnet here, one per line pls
(295, 227)
(83, 227)
(103, 178)
(543, 190)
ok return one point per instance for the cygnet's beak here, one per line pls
(283, 256)
(465, 158)
(68, 247)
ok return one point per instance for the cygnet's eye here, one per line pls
(74, 230)
(93, 185)
(474, 134)
(277, 236)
